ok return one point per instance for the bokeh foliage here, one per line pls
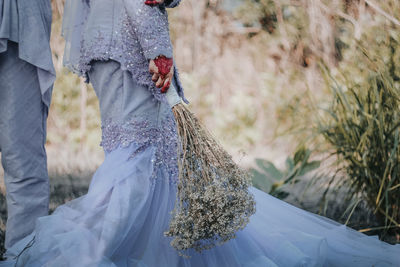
(357, 45)
(270, 179)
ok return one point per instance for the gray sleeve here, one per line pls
(151, 27)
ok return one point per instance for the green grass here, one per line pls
(362, 126)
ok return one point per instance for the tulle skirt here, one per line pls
(122, 219)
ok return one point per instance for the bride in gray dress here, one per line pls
(122, 219)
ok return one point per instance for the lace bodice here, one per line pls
(127, 31)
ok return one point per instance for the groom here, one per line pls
(26, 80)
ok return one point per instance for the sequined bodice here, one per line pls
(127, 31)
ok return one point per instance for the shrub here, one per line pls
(363, 129)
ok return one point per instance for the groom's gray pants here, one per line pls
(22, 137)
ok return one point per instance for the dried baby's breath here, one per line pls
(213, 201)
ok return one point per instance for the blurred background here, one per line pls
(303, 93)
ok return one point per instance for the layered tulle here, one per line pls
(122, 219)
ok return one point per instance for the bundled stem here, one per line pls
(213, 201)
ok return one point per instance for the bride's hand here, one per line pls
(162, 69)
(154, 2)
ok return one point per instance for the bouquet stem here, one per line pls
(213, 200)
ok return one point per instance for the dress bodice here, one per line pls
(127, 31)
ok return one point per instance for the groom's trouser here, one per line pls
(22, 137)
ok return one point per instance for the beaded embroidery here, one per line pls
(164, 138)
(131, 46)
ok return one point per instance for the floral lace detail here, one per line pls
(151, 27)
(122, 49)
(131, 52)
(164, 138)
(132, 33)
